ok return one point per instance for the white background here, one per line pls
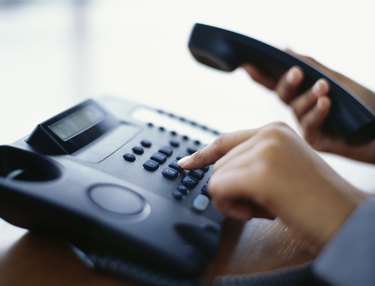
(53, 54)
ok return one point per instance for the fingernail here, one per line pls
(319, 87)
(293, 75)
(183, 161)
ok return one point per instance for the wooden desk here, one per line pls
(33, 259)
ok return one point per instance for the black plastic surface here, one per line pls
(225, 50)
(114, 207)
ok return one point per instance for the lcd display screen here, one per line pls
(77, 122)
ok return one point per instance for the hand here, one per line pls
(312, 107)
(270, 172)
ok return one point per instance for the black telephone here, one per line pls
(350, 118)
(103, 175)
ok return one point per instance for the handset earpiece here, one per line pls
(213, 49)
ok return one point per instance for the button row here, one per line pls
(160, 156)
(183, 119)
(158, 159)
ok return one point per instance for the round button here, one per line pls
(138, 150)
(146, 143)
(174, 143)
(129, 157)
(117, 199)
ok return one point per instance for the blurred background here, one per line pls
(54, 54)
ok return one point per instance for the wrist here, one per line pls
(327, 213)
(343, 207)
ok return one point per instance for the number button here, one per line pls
(129, 157)
(146, 143)
(138, 150)
(197, 174)
(170, 173)
(159, 157)
(189, 182)
(174, 165)
(167, 151)
(151, 165)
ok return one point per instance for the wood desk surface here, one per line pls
(33, 259)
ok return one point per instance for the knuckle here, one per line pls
(218, 143)
(295, 106)
(275, 137)
(218, 140)
(198, 155)
(277, 129)
(310, 59)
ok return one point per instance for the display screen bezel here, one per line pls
(85, 136)
(77, 122)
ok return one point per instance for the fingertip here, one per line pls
(239, 213)
(294, 75)
(184, 162)
(321, 87)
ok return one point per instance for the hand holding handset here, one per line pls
(225, 50)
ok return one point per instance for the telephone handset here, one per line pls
(350, 118)
(103, 175)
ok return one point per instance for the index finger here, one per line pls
(217, 149)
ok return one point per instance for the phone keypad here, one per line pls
(172, 171)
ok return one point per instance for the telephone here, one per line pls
(350, 118)
(103, 175)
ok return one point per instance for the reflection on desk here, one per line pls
(28, 258)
